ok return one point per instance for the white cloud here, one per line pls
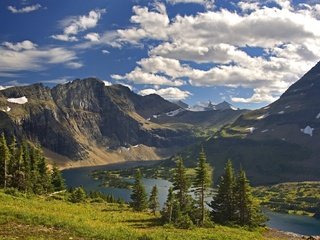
(93, 37)
(74, 65)
(287, 35)
(209, 4)
(104, 51)
(24, 45)
(15, 57)
(258, 97)
(73, 25)
(171, 93)
(26, 9)
(61, 80)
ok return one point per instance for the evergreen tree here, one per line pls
(167, 210)
(18, 172)
(44, 175)
(248, 212)
(13, 156)
(202, 181)
(153, 200)
(138, 196)
(26, 166)
(4, 161)
(181, 184)
(78, 195)
(57, 180)
(223, 203)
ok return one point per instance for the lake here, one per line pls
(81, 177)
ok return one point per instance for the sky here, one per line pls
(245, 52)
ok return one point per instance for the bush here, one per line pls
(184, 221)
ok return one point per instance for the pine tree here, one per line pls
(203, 180)
(4, 161)
(18, 172)
(153, 200)
(78, 195)
(181, 184)
(168, 207)
(138, 196)
(44, 175)
(248, 212)
(13, 156)
(57, 180)
(26, 166)
(223, 203)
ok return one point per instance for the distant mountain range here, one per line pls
(88, 121)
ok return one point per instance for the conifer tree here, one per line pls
(4, 161)
(18, 173)
(78, 195)
(57, 180)
(181, 184)
(138, 196)
(44, 174)
(153, 200)
(168, 207)
(202, 181)
(248, 212)
(223, 203)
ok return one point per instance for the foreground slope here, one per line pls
(46, 218)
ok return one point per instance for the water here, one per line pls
(81, 177)
(292, 223)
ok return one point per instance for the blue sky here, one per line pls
(246, 52)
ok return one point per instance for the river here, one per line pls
(81, 177)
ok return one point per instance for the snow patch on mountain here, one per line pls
(318, 116)
(175, 112)
(251, 129)
(308, 130)
(21, 100)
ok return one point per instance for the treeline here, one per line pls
(23, 167)
(233, 203)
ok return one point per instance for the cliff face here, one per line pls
(75, 118)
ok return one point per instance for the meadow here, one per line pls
(53, 217)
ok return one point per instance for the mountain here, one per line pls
(211, 107)
(181, 104)
(277, 143)
(86, 120)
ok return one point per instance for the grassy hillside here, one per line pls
(48, 218)
(297, 198)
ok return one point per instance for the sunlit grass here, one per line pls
(105, 221)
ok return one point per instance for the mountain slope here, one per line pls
(86, 120)
(280, 142)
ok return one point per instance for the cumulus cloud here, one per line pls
(93, 37)
(171, 93)
(26, 9)
(26, 56)
(24, 45)
(206, 3)
(287, 36)
(73, 25)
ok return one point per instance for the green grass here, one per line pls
(97, 221)
(299, 198)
